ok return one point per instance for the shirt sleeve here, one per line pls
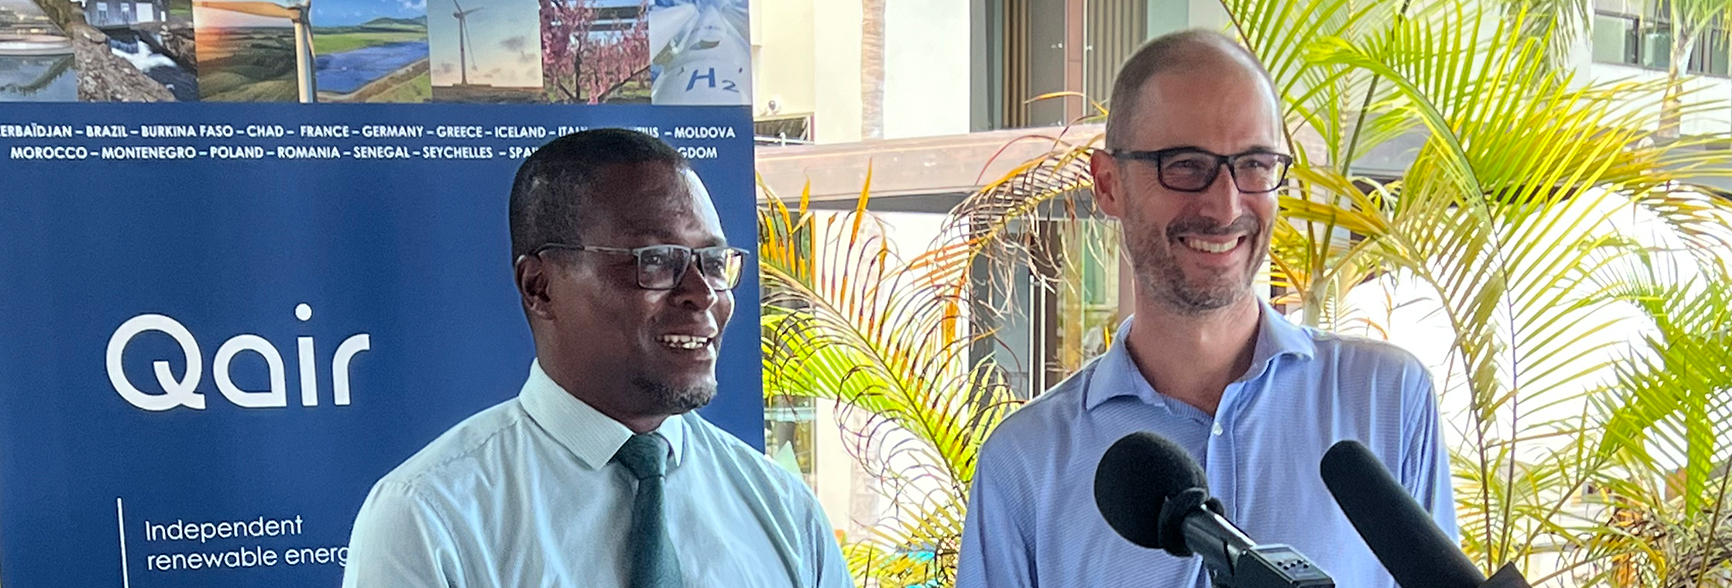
(995, 551)
(399, 541)
(1425, 467)
(831, 566)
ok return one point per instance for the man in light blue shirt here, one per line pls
(599, 473)
(1194, 154)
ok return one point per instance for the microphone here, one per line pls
(1399, 531)
(1154, 495)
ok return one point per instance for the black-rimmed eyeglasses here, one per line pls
(1189, 169)
(661, 267)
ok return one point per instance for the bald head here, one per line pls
(1184, 53)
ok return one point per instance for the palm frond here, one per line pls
(846, 319)
(1502, 214)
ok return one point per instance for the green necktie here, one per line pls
(652, 562)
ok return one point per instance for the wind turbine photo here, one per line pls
(301, 15)
(463, 43)
(485, 51)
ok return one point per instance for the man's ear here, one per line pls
(1109, 187)
(534, 275)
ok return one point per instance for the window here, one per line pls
(1058, 308)
(789, 423)
(1656, 45)
(1647, 42)
(1112, 32)
(783, 130)
(1038, 47)
(1710, 56)
(790, 420)
(1088, 311)
(1614, 38)
(1035, 62)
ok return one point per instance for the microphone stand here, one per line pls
(1271, 566)
(1233, 559)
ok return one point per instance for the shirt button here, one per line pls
(1217, 429)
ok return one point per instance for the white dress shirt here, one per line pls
(524, 495)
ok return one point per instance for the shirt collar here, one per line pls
(1116, 374)
(590, 435)
(1277, 336)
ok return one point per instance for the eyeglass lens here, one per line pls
(662, 267)
(1252, 172)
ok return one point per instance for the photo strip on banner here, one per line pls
(233, 306)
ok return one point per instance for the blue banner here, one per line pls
(223, 322)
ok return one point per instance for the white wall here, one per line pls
(782, 58)
(806, 56)
(1208, 14)
(836, 74)
(926, 59)
(1717, 119)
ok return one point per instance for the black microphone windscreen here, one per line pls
(1134, 479)
(1400, 532)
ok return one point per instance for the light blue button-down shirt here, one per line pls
(1032, 519)
(524, 494)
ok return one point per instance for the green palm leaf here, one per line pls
(847, 320)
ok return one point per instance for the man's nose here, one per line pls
(1221, 200)
(693, 289)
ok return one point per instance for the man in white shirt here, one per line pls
(599, 473)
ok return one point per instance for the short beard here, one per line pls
(1170, 290)
(670, 400)
(1161, 279)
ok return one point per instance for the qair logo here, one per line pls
(183, 391)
